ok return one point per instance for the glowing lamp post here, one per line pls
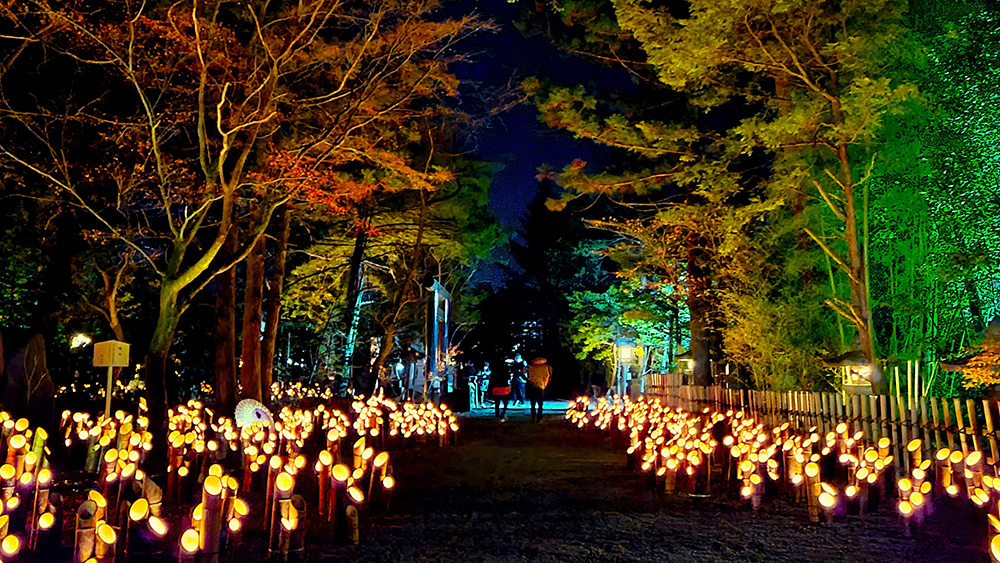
(624, 355)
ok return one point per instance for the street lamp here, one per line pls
(79, 340)
(624, 355)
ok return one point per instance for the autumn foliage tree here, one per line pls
(169, 125)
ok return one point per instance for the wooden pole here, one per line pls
(959, 420)
(988, 411)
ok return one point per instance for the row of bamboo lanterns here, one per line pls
(674, 445)
(122, 511)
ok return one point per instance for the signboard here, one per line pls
(111, 354)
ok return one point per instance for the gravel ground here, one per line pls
(518, 491)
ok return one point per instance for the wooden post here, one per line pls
(924, 432)
(827, 426)
(816, 411)
(904, 430)
(893, 431)
(937, 425)
(873, 412)
(855, 413)
(883, 411)
(959, 420)
(988, 412)
(970, 407)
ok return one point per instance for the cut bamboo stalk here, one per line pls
(904, 430)
(883, 403)
(855, 413)
(938, 443)
(814, 400)
(873, 412)
(970, 408)
(988, 412)
(893, 426)
(909, 384)
(826, 412)
(959, 420)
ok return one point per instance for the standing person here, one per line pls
(539, 374)
(484, 385)
(500, 392)
(468, 374)
(518, 377)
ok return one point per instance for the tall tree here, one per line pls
(157, 136)
(830, 60)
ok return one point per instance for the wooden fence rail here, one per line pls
(953, 423)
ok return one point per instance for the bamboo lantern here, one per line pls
(44, 535)
(906, 511)
(41, 502)
(955, 462)
(341, 473)
(188, 546)
(323, 467)
(358, 450)
(353, 524)
(137, 513)
(106, 538)
(827, 500)
(273, 468)
(388, 484)
(211, 525)
(283, 485)
(157, 526)
(9, 547)
(943, 469)
(974, 469)
(83, 548)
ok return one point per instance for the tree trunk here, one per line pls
(272, 304)
(700, 308)
(225, 333)
(156, 372)
(352, 313)
(253, 297)
(384, 379)
(975, 305)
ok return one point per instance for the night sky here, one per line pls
(517, 139)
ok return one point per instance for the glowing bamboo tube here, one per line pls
(188, 546)
(353, 524)
(273, 467)
(83, 547)
(106, 538)
(906, 512)
(9, 547)
(323, 479)
(340, 474)
(812, 494)
(943, 470)
(957, 466)
(41, 501)
(43, 534)
(211, 525)
(16, 448)
(974, 467)
(283, 485)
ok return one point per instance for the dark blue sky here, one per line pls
(516, 138)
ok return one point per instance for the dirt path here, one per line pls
(518, 491)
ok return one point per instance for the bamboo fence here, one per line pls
(957, 424)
